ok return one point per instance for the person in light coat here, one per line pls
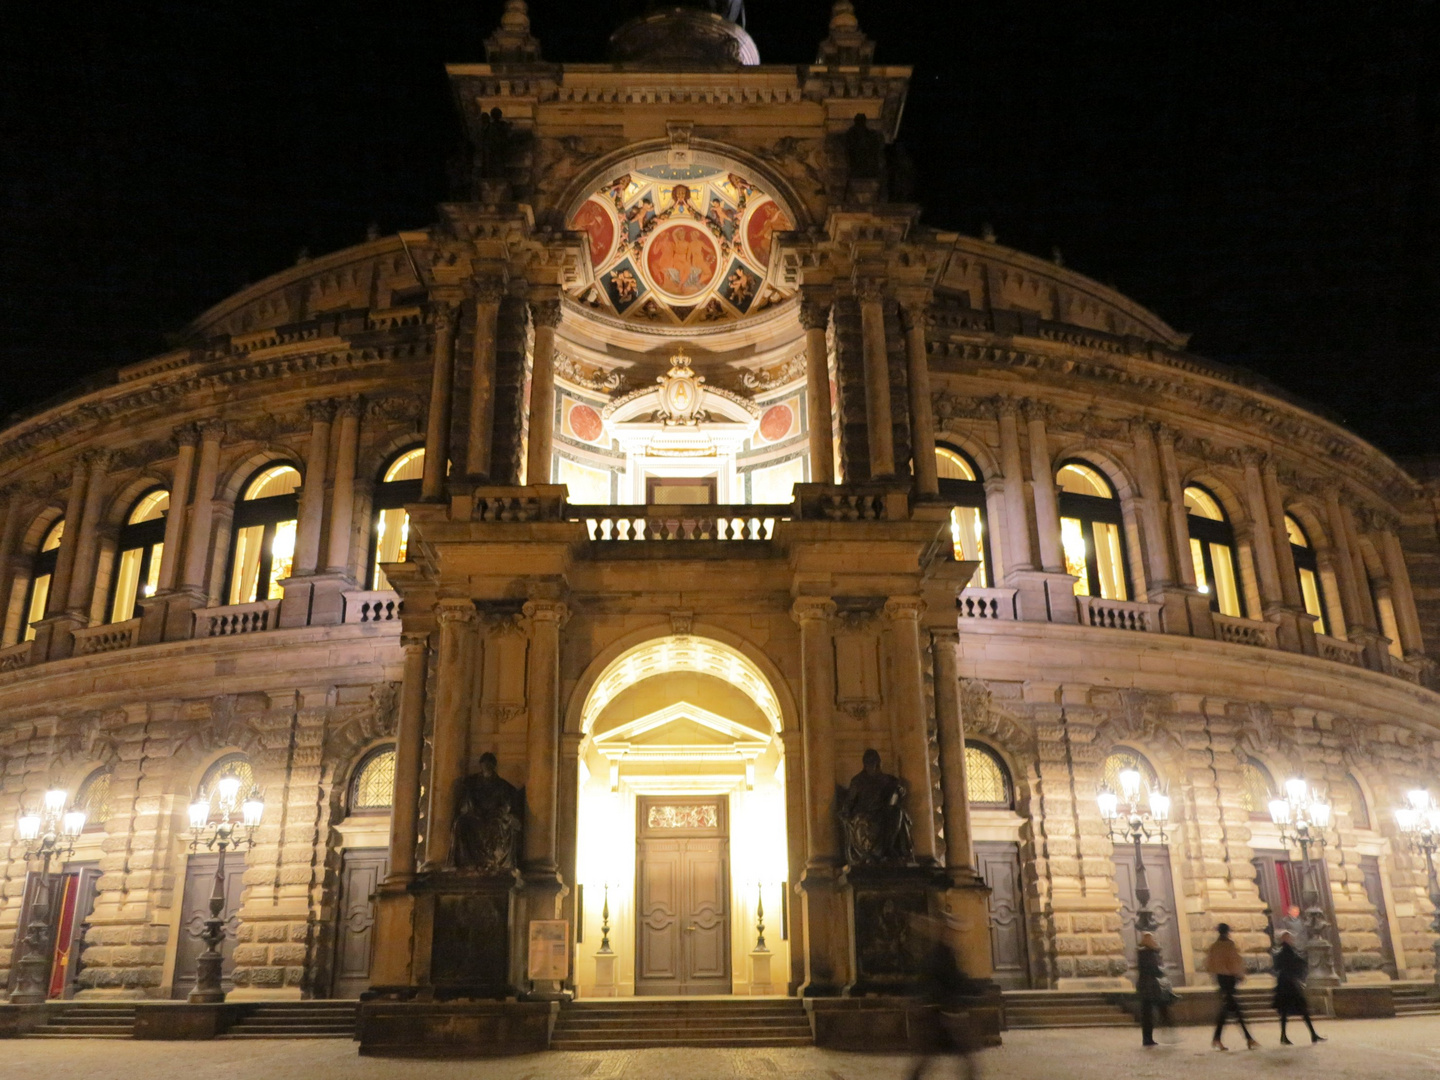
(1223, 960)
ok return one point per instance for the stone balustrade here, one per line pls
(1244, 631)
(16, 656)
(1342, 652)
(987, 604)
(372, 606)
(850, 502)
(1119, 614)
(233, 619)
(107, 637)
(701, 522)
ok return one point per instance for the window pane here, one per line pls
(152, 572)
(1197, 556)
(1386, 610)
(1119, 761)
(1109, 561)
(276, 480)
(1256, 788)
(150, 508)
(1310, 590)
(967, 530)
(375, 785)
(408, 466)
(39, 594)
(984, 779)
(94, 799)
(1083, 480)
(245, 572)
(1295, 533)
(1202, 504)
(951, 466)
(392, 535)
(1359, 811)
(282, 557)
(127, 585)
(1072, 541)
(52, 538)
(1225, 589)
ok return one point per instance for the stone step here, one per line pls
(799, 1027)
(347, 1035)
(107, 1034)
(590, 1044)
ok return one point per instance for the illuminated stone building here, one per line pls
(677, 465)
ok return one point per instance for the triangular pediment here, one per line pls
(680, 726)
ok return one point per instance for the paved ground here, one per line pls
(1358, 1050)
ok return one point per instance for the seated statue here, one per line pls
(488, 820)
(875, 824)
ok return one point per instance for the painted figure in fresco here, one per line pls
(738, 287)
(488, 820)
(639, 218)
(876, 826)
(723, 218)
(682, 260)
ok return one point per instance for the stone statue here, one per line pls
(864, 152)
(494, 145)
(876, 827)
(488, 820)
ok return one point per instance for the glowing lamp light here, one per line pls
(1130, 783)
(1295, 789)
(55, 800)
(1159, 806)
(1408, 818)
(1109, 805)
(1432, 819)
(28, 827)
(199, 813)
(252, 809)
(73, 823)
(229, 788)
(1320, 814)
(1419, 799)
(1203, 590)
(1280, 811)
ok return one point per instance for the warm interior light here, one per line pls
(252, 809)
(1109, 805)
(1279, 811)
(28, 827)
(199, 813)
(1130, 783)
(55, 800)
(73, 823)
(1159, 805)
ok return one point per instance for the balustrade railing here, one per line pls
(1342, 652)
(1404, 669)
(235, 619)
(700, 522)
(1119, 614)
(993, 604)
(1239, 631)
(16, 656)
(109, 637)
(372, 605)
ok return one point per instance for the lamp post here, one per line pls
(218, 827)
(605, 921)
(1420, 825)
(760, 945)
(1134, 822)
(48, 835)
(1303, 817)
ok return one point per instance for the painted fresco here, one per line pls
(682, 261)
(765, 221)
(595, 222)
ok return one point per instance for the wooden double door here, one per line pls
(361, 872)
(1156, 860)
(199, 885)
(70, 903)
(998, 863)
(682, 890)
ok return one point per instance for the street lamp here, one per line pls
(1420, 825)
(217, 827)
(1131, 821)
(1303, 817)
(48, 834)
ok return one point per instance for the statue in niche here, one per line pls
(494, 145)
(488, 820)
(864, 154)
(876, 826)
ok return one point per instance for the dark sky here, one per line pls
(1264, 175)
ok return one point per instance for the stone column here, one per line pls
(815, 318)
(65, 557)
(482, 380)
(1042, 479)
(542, 733)
(82, 576)
(1263, 539)
(546, 314)
(9, 535)
(409, 750)
(188, 437)
(1402, 596)
(1016, 534)
(922, 414)
(1160, 563)
(311, 512)
(1284, 557)
(449, 745)
(1344, 563)
(879, 423)
(1175, 496)
(197, 546)
(950, 733)
(908, 702)
(437, 420)
(342, 496)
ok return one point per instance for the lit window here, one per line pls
(1257, 788)
(1090, 532)
(987, 781)
(142, 546)
(390, 531)
(1306, 569)
(236, 765)
(1121, 759)
(1212, 550)
(94, 798)
(42, 573)
(374, 785)
(263, 552)
(961, 485)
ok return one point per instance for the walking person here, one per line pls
(1153, 987)
(1290, 970)
(1224, 962)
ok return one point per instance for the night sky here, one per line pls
(1263, 175)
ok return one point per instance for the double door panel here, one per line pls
(361, 872)
(199, 885)
(69, 905)
(683, 900)
(1282, 885)
(1375, 893)
(999, 866)
(1156, 860)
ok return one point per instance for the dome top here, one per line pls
(707, 35)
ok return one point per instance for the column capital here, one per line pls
(489, 290)
(904, 607)
(556, 611)
(1006, 405)
(351, 408)
(869, 291)
(320, 412)
(913, 313)
(944, 636)
(814, 311)
(545, 312)
(97, 460)
(810, 609)
(187, 435)
(212, 430)
(414, 642)
(442, 317)
(449, 612)
(1252, 458)
(1038, 412)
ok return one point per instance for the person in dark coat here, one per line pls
(945, 986)
(1152, 987)
(1290, 970)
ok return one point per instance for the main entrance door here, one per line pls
(682, 890)
(1156, 858)
(361, 872)
(999, 866)
(199, 884)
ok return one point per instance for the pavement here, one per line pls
(1398, 1049)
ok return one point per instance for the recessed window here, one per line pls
(142, 546)
(987, 781)
(1307, 570)
(373, 788)
(1257, 788)
(1090, 532)
(1359, 808)
(390, 530)
(236, 765)
(963, 487)
(94, 798)
(1212, 550)
(1123, 758)
(263, 552)
(42, 573)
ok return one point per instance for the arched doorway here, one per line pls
(681, 838)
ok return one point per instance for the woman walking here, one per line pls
(1224, 962)
(1153, 988)
(1290, 970)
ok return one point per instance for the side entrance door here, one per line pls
(682, 889)
(1370, 871)
(361, 872)
(1156, 860)
(199, 883)
(999, 864)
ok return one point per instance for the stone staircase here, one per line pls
(318, 1019)
(1415, 998)
(86, 1020)
(1063, 1009)
(636, 1023)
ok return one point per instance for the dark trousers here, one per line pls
(1228, 1005)
(1148, 1010)
(1305, 1015)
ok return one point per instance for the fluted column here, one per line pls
(542, 733)
(197, 544)
(1284, 557)
(188, 437)
(922, 414)
(450, 741)
(65, 557)
(342, 496)
(311, 511)
(815, 318)
(437, 419)
(409, 750)
(82, 575)
(1016, 535)
(482, 380)
(1263, 537)
(546, 314)
(1042, 480)
(1402, 596)
(1175, 496)
(950, 733)
(879, 423)
(908, 674)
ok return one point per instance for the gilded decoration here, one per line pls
(684, 816)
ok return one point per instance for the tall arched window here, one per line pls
(142, 545)
(1308, 572)
(962, 486)
(987, 780)
(94, 798)
(1257, 788)
(390, 533)
(236, 765)
(1212, 549)
(263, 551)
(1122, 758)
(1090, 532)
(42, 572)
(372, 789)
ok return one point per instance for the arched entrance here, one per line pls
(681, 838)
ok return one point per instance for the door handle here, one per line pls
(691, 929)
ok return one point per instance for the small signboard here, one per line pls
(550, 949)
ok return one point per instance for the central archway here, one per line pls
(681, 838)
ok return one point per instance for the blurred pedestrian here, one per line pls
(945, 986)
(1290, 970)
(1154, 988)
(1223, 960)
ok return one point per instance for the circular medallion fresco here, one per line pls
(586, 423)
(680, 244)
(776, 422)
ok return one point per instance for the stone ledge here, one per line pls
(455, 1029)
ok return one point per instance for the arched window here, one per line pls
(263, 552)
(962, 486)
(142, 546)
(1212, 549)
(1359, 808)
(390, 532)
(1306, 569)
(372, 789)
(236, 765)
(1122, 758)
(987, 780)
(42, 572)
(1257, 788)
(94, 798)
(1090, 532)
